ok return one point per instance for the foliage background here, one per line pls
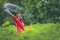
(41, 18)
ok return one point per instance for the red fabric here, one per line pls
(19, 24)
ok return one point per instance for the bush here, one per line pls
(32, 32)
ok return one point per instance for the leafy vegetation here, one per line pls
(41, 18)
(32, 32)
(35, 11)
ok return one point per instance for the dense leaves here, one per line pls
(34, 11)
(42, 11)
(32, 32)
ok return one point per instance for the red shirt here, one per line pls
(19, 23)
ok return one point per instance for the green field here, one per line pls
(32, 32)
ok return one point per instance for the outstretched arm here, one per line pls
(11, 14)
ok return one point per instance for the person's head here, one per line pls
(19, 16)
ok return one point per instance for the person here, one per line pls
(9, 8)
(18, 21)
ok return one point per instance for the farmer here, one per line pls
(9, 8)
(18, 21)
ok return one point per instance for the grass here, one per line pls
(32, 32)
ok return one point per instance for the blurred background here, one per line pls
(41, 19)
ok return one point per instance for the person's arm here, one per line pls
(11, 14)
